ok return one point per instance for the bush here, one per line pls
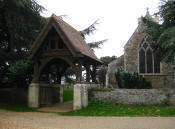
(131, 80)
(20, 73)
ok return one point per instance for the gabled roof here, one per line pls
(141, 26)
(140, 29)
(71, 37)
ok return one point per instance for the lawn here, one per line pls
(105, 109)
(17, 108)
(67, 94)
(102, 109)
(109, 109)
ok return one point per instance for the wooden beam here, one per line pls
(57, 52)
(87, 73)
(79, 72)
(94, 74)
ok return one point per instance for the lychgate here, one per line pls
(58, 47)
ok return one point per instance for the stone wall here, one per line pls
(81, 95)
(167, 69)
(113, 67)
(136, 96)
(157, 81)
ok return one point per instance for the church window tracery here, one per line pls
(148, 61)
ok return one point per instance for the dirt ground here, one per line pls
(35, 120)
(59, 107)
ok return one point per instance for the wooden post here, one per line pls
(94, 74)
(88, 73)
(59, 79)
(79, 72)
(36, 72)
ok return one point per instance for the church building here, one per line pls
(139, 57)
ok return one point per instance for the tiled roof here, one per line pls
(74, 37)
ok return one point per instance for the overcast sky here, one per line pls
(118, 19)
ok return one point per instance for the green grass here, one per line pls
(67, 94)
(109, 109)
(105, 109)
(17, 108)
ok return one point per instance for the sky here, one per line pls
(117, 19)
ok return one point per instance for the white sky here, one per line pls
(117, 18)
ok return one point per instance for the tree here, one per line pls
(93, 45)
(20, 22)
(107, 59)
(89, 30)
(20, 73)
(96, 45)
(163, 34)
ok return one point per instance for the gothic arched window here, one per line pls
(142, 61)
(156, 64)
(148, 62)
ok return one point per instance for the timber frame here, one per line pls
(60, 44)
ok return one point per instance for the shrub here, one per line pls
(131, 80)
(20, 73)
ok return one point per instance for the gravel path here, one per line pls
(59, 107)
(33, 120)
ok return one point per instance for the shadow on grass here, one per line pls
(17, 108)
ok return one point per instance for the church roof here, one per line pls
(134, 35)
(140, 28)
(73, 39)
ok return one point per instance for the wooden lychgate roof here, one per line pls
(71, 37)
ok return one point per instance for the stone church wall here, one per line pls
(169, 72)
(130, 62)
(157, 81)
(166, 79)
(131, 49)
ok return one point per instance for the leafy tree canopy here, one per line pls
(89, 30)
(107, 59)
(20, 22)
(163, 34)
